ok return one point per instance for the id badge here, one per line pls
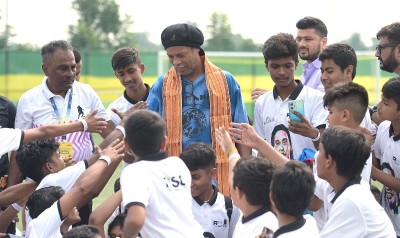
(66, 150)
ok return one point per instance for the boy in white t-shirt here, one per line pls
(156, 188)
(292, 189)
(128, 68)
(386, 168)
(211, 209)
(354, 212)
(49, 207)
(271, 110)
(249, 180)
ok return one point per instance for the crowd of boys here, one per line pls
(193, 166)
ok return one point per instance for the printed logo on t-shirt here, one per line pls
(223, 223)
(268, 120)
(173, 181)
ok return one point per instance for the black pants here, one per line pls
(84, 213)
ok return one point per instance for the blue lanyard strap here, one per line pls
(57, 112)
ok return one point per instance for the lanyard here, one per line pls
(66, 120)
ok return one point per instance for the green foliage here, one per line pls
(100, 27)
(355, 41)
(220, 32)
(222, 38)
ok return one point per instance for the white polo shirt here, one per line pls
(47, 224)
(271, 112)
(35, 109)
(387, 149)
(304, 227)
(161, 185)
(65, 178)
(122, 104)
(253, 224)
(324, 191)
(355, 213)
(213, 216)
(10, 140)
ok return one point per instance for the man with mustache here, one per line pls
(311, 39)
(388, 54)
(195, 96)
(56, 100)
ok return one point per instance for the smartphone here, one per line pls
(298, 106)
(266, 233)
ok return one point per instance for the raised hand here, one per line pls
(223, 139)
(137, 106)
(244, 134)
(257, 92)
(95, 124)
(115, 150)
(68, 161)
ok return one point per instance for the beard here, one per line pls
(390, 64)
(310, 57)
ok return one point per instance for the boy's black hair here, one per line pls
(198, 156)
(33, 156)
(342, 54)
(313, 23)
(391, 90)
(118, 221)
(124, 57)
(279, 46)
(292, 188)
(348, 147)
(253, 175)
(42, 199)
(84, 231)
(145, 132)
(351, 96)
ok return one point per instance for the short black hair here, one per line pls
(33, 156)
(124, 57)
(84, 231)
(392, 31)
(118, 221)
(391, 90)
(348, 147)
(342, 54)
(42, 199)
(279, 46)
(313, 23)
(292, 188)
(145, 132)
(253, 175)
(351, 96)
(48, 50)
(198, 156)
(77, 55)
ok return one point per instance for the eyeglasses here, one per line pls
(379, 48)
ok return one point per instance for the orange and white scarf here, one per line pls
(220, 114)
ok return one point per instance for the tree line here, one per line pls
(100, 27)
